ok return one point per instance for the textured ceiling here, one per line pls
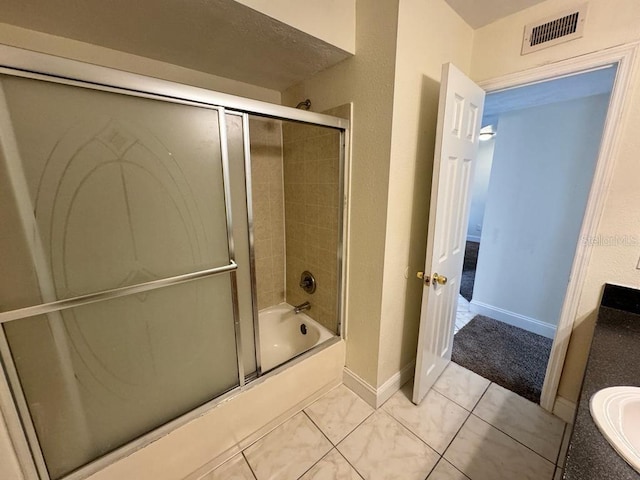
(478, 13)
(220, 37)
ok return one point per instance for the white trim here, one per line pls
(517, 320)
(376, 397)
(391, 386)
(565, 409)
(360, 387)
(625, 56)
(473, 238)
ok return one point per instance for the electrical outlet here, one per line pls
(478, 227)
(638, 265)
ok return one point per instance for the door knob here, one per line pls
(426, 278)
(439, 279)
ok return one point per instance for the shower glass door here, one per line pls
(118, 292)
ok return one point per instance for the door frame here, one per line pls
(625, 56)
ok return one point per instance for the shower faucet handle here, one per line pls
(308, 282)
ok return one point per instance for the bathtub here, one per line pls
(282, 334)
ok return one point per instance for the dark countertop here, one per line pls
(614, 360)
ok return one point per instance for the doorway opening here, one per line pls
(537, 158)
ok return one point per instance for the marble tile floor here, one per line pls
(466, 428)
(463, 315)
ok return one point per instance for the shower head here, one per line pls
(305, 105)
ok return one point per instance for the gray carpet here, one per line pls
(507, 355)
(469, 269)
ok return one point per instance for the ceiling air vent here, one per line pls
(551, 31)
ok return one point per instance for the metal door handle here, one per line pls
(439, 279)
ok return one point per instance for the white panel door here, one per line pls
(459, 119)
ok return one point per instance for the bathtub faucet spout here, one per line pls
(302, 307)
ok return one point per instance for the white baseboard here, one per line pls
(526, 323)
(564, 409)
(376, 397)
(360, 387)
(473, 238)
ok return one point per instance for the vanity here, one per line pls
(614, 360)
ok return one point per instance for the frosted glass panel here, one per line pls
(115, 190)
(100, 375)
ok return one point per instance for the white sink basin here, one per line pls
(616, 411)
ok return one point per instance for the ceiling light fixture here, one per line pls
(487, 133)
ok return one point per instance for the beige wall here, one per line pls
(84, 52)
(367, 80)
(391, 168)
(609, 23)
(430, 33)
(268, 209)
(311, 183)
(333, 21)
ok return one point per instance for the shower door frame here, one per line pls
(27, 64)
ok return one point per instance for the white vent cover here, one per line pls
(551, 31)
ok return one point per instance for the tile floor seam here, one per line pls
(434, 467)
(423, 441)
(482, 396)
(325, 456)
(564, 432)
(347, 460)
(510, 436)
(448, 398)
(354, 429)
(335, 446)
(461, 472)
(250, 467)
(319, 460)
(456, 436)
(442, 459)
(411, 432)
(318, 427)
(515, 440)
(555, 472)
(433, 387)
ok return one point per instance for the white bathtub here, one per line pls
(282, 337)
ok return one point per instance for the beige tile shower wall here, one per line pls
(311, 185)
(268, 209)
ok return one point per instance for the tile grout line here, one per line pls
(510, 436)
(319, 429)
(564, 432)
(515, 440)
(456, 435)
(457, 403)
(335, 445)
(250, 467)
(442, 459)
(402, 426)
(319, 460)
(482, 396)
(412, 433)
(418, 437)
(350, 464)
